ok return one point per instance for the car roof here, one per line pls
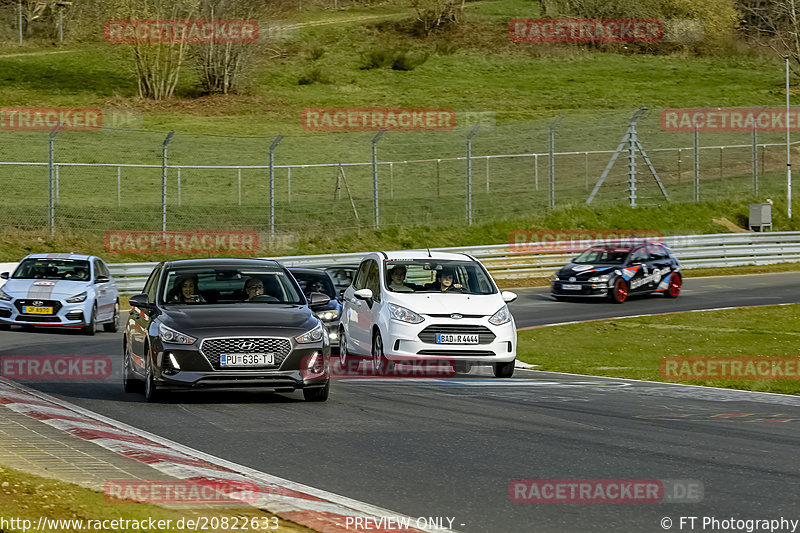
(79, 257)
(424, 254)
(220, 261)
(307, 270)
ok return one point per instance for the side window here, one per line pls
(657, 253)
(360, 279)
(152, 284)
(102, 269)
(639, 255)
(374, 281)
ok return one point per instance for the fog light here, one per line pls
(174, 361)
(316, 363)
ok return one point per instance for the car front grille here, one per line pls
(457, 353)
(213, 348)
(485, 335)
(55, 304)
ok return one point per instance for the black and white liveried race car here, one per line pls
(616, 271)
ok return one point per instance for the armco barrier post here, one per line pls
(696, 162)
(164, 180)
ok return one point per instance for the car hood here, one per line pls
(192, 318)
(445, 304)
(583, 271)
(44, 289)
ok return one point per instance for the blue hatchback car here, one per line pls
(60, 290)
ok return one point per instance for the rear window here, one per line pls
(53, 269)
(315, 282)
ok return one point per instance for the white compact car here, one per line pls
(407, 306)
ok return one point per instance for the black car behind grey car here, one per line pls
(221, 323)
(313, 280)
(615, 271)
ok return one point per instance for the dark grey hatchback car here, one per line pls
(225, 323)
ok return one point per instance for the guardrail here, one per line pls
(506, 261)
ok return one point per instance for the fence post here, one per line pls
(469, 173)
(51, 213)
(438, 178)
(20, 23)
(58, 185)
(553, 128)
(289, 182)
(696, 162)
(632, 163)
(755, 159)
(164, 180)
(179, 186)
(391, 181)
(721, 173)
(536, 170)
(586, 162)
(239, 185)
(375, 175)
(272, 147)
(119, 187)
(487, 174)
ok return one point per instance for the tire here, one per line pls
(342, 359)
(90, 328)
(151, 392)
(674, 287)
(113, 326)
(619, 292)
(380, 365)
(129, 384)
(503, 370)
(317, 395)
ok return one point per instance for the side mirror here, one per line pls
(340, 297)
(102, 279)
(140, 300)
(363, 294)
(4, 275)
(508, 296)
(317, 299)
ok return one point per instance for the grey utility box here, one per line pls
(760, 216)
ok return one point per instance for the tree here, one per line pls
(436, 14)
(777, 23)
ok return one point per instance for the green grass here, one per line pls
(608, 347)
(474, 68)
(29, 497)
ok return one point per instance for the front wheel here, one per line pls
(674, 287)
(619, 292)
(113, 326)
(380, 365)
(319, 394)
(503, 370)
(151, 392)
(91, 326)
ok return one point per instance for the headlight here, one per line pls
(77, 298)
(599, 279)
(404, 315)
(315, 335)
(4, 296)
(329, 315)
(174, 337)
(501, 317)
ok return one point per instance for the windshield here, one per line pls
(55, 269)
(214, 285)
(437, 276)
(606, 256)
(315, 282)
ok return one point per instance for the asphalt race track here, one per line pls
(450, 448)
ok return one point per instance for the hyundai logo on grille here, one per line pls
(456, 316)
(245, 345)
(37, 303)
